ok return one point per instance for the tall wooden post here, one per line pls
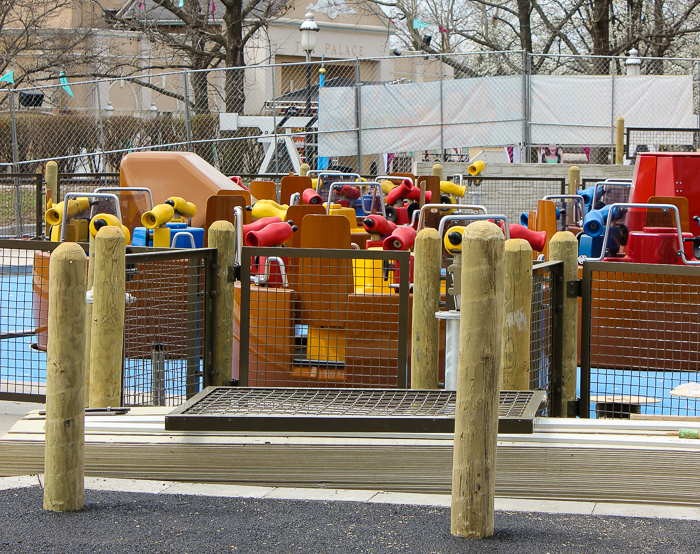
(515, 352)
(88, 316)
(304, 169)
(107, 318)
(437, 170)
(620, 141)
(64, 466)
(574, 179)
(425, 332)
(564, 248)
(478, 380)
(222, 236)
(52, 180)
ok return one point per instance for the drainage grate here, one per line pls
(340, 410)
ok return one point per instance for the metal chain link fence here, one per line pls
(366, 115)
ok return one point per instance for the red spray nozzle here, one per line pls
(536, 239)
(401, 239)
(310, 196)
(259, 224)
(348, 191)
(271, 234)
(378, 224)
(402, 191)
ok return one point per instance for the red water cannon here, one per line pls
(402, 238)
(272, 234)
(537, 239)
(259, 225)
(311, 197)
(406, 190)
(236, 179)
(347, 191)
(378, 225)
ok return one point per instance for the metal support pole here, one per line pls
(102, 132)
(274, 121)
(612, 114)
(358, 114)
(15, 166)
(188, 115)
(442, 113)
(308, 137)
(526, 109)
(158, 367)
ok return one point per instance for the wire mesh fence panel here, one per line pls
(166, 326)
(661, 139)
(19, 204)
(640, 340)
(322, 318)
(545, 337)
(24, 306)
(510, 196)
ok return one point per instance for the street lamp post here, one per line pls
(308, 42)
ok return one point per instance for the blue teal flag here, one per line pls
(8, 77)
(65, 85)
(418, 24)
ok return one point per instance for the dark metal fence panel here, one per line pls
(546, 333)
(330, 318)
(511, 196)
(24, 306)
(84, 182)
(654, 139)
(640, 340)
(167, 326)
(21, 195)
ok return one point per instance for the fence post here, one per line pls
(88, 315)
(574, 179)
(525, 158)
(109, 283)
(563, 247)
(38, 231)
(358, 114)
(188, 115)
(64, 466)
(52, 180)
(442, 113)
(517, 307)
(102, 131)
(478, 381)
(620, 140)
(15, 165)
(222, 236)
(425, 331)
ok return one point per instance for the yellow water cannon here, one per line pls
(157, 216)
(448, 187)
(387, 186)
(269, 208)
(453, 239)
(76, 207)
(108, 220)
(182, 207)
(476, 168)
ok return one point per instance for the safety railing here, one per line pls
(655, 139)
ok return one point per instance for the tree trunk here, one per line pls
(600, 31)
(200, 86)
(525, 29)
(235, 78)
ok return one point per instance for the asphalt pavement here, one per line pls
(127, 522)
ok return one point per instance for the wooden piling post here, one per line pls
(517, 305)
(107, 318)
(564, 248)
(574, 179)
(478, 381)
(620, 141)
(52, 181)
(304, 169)
(64, 466)
(437, 170)
(425, 332)
(222, 236)
(88, 315)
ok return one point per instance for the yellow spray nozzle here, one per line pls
(182, 206)
(159, 215)
(476, 168)
(387, 186)
(269, 208)
(314, 183)
(108, 220)
(76, 206)
(453, 239)
(448, 187)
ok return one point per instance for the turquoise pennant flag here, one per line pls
(65, 85)
(418, 24)
(8, 77)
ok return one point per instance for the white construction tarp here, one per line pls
(489, 111)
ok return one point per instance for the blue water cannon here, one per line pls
(594, 222)
(525, 217)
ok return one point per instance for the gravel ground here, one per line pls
(117, 522)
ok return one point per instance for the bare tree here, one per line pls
(32, 46)
(191, 30)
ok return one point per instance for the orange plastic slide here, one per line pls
(175, 174)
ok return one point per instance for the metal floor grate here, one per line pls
(340, 410)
